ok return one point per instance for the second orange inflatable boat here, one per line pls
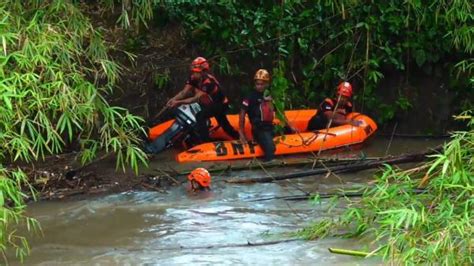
(332, 138)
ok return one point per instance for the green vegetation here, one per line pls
(12, 208)
(434, 227)
(322, 42)
(55, 75)
(325, 41)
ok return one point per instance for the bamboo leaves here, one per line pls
(434, 227)
(12, 205)
(48, 70)
(54, 73)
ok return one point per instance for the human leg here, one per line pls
(264, 138)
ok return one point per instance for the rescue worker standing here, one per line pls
(327, 111)
(260, 111)
(204, 88)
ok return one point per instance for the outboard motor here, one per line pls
(186, 114)
(182, 128)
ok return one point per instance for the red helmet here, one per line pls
(201, 176)
(199, 64)
(344, 89)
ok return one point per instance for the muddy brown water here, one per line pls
(156, 228)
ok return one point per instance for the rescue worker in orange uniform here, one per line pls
(327, 110)
(261, 113)
(204, 88)
(200, 180)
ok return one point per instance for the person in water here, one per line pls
(206, 90)
(259, 108)
(200, 180)
(327, 110)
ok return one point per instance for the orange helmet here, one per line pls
(201, 176)
(199, 64)
(344, 89)
(262, 74)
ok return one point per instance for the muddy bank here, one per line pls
(61, 177)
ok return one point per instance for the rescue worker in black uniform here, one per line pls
(204, 88)
(259, 108)
(326, 110)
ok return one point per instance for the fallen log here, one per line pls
(273, 164)
(325, 195)
(353, 167)
(322, 195)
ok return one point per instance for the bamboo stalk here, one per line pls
(348, 252)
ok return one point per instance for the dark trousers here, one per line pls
(264, 137)
(317, 122)
(219, 112)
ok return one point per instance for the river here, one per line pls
(168, 228)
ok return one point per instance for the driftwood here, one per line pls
(353, 167)
(217, 246)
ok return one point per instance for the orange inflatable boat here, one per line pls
(332, 138)
(298, 118)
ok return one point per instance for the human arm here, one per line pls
(337, 116)
(243, 112)
(191, 99)
(187, 90)
(339, 119)
(242, 137)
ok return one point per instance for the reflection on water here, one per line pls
(149, 227)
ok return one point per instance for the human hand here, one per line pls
(293, 129)
(173, 103)
(170, 103)
(356, 123)
(267, 98)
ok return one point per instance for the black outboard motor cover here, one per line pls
(184, 124)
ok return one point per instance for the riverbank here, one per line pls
(60, 177)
